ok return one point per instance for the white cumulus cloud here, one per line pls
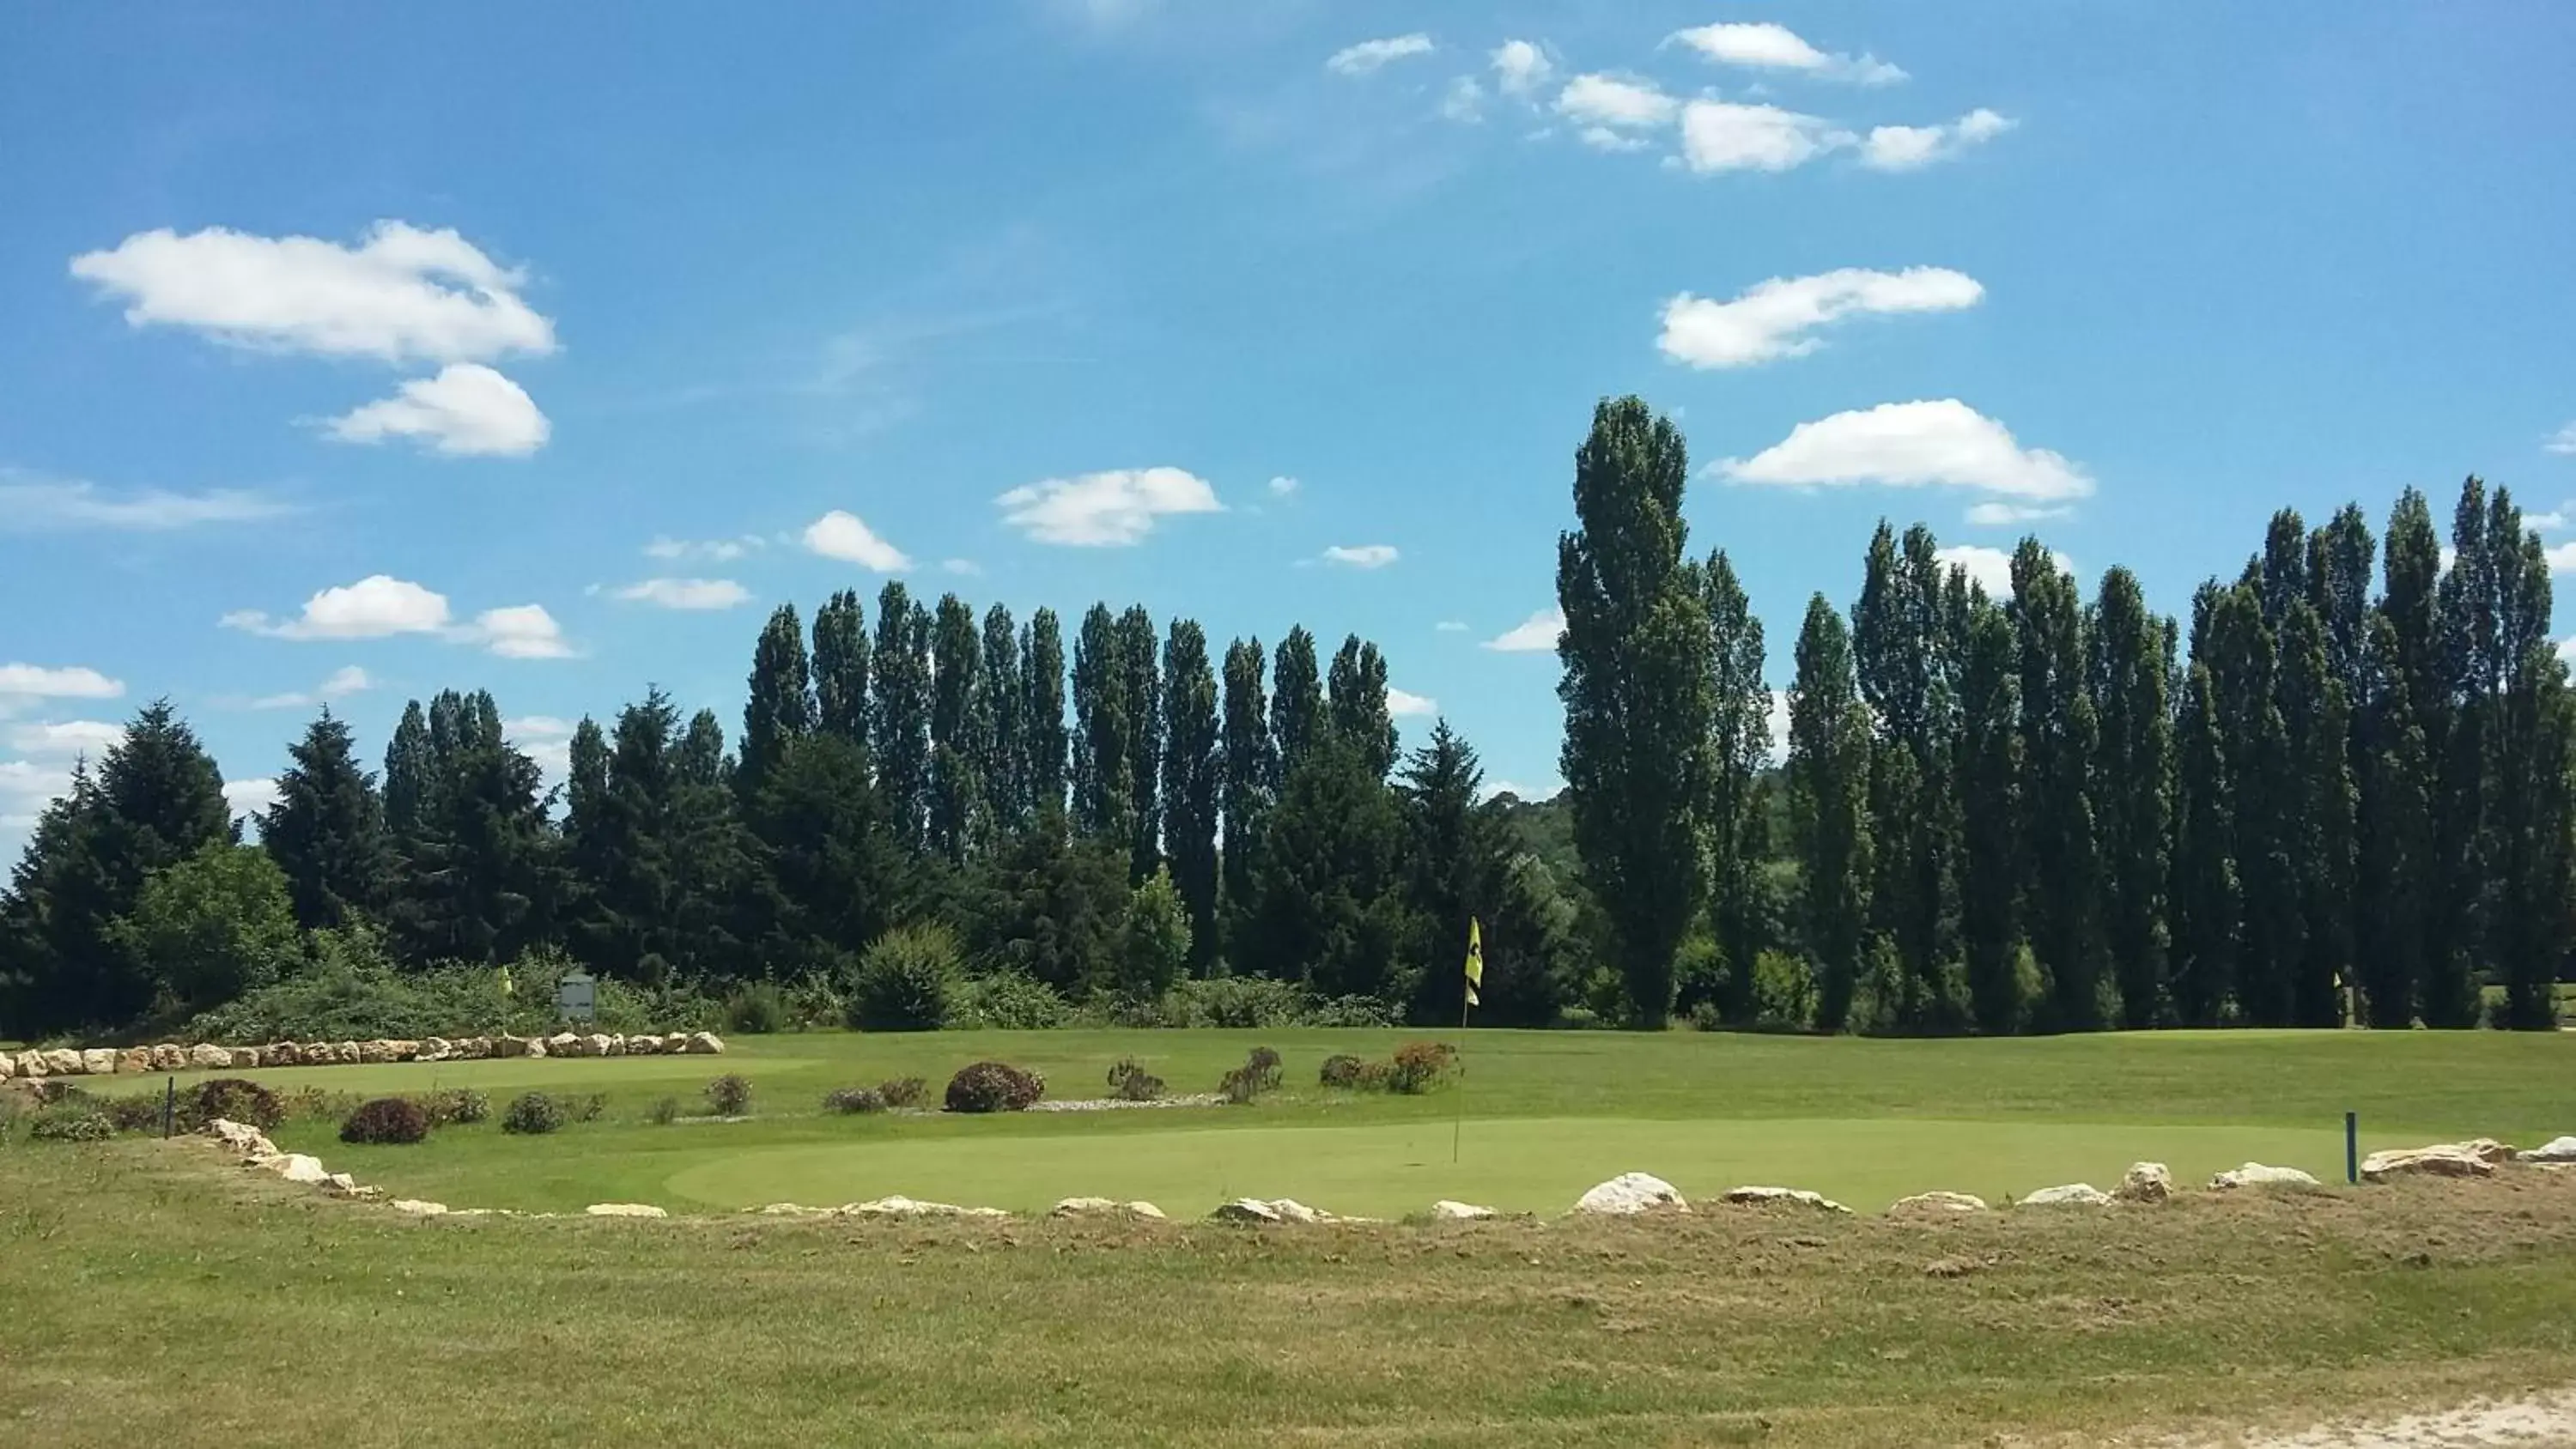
(1728, 136)
(721, 550)
(69, 737)
(2562, 441)
(1778, 318)
(1362, 556)
(1990, 567)
(1521, 67)
(249, 797)
(1992, 514)
(1282, 486)
(1519, 791)
(2562, 559)
(1610, 103)
(686, 593)
(1369, 55)
(1402, 703)
(1909, 148)
(1464, 101)
(1912, 444)
(402, 293)
(842, 535)
(1105, 509)
(1768, 46)
(520, 631)
(1532, 635)
(374, 607)
(23, 684)
(466, 410)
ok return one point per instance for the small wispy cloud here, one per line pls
(1371, 55)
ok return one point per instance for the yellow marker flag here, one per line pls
(506, 988)
(1475, 959)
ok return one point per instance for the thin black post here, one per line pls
(2351, 1147)
(169, 1106)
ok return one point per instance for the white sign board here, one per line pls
(576, 998)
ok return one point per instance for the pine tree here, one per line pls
(831, 874)
(1989, 772)
(408, 769)
(1000, 707)
(2131, 681)
(959, 733)
(1739, 748)
(327, 830)
(1357, 704)
(1193, 770)
(1637, 695)
(1457, 862)
(841, 668)
(1251, 759)
(1297, 715)
(1331, 912)
(1042, 713)
(482, 877)
(1103, 753)
(899, 712)
(2062, 894)
(1139, 678)
(781, 707)
(1828, 777)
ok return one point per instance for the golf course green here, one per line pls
(1531, 1121)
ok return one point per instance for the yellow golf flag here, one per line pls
(506, 988)
(1475, 959)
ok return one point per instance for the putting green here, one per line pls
(1515, 1164)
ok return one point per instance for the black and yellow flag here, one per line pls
(1475, 959)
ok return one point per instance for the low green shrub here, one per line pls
(1418, 1066)
(1007, 1001)
(140, 1112)
(664, 1111)
(903, 1092)
(853, 1101)
(1129, 1082)
(994, 1087)
(531, 1113)
(906, 980)
(814, 1002)
(71, 1122)
(451, 1106)
(589, 1107)
(234, 1099)
(730, 1095)
(1342, 1070)
(386, 1120)
(318, 1104)
(759, 1009)
(1258, 1074)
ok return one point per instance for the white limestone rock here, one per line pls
(1103, 1207)
(2145, 1182)
(624, 1210)
(2074, 1194)
(1939, 1202)
(2448, 1159)
(1460, 1212)
(415, 1208)
(2555, 1150)
(1765, 1196)
(2255, 1174)
(1632, 1192)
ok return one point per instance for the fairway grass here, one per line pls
(158, 1295)
(1545, 1116)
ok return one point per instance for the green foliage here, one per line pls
(1193, 784)
(1245, 1084)
(1153, 940)
(451, 1106)
(906, 980)
(730, 1095)
(229, 1099)
(758, 1009)
(1828, 773)
(854, 1101)
(71, 1122)
(902, 1092)
(1341, 1070)
(1419, 1066)
(315, 1104)
(386, 1120)
(994, 1087)
(1332, 912)
(532, 1114)
(1046, 908)
(899, 712)
(139, 1112)
(1006, 1001)
(663, 1112)
(1784, 992)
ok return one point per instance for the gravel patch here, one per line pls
(1113, 1104)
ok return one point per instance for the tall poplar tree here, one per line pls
(1251, 779)
(1828, 777)
(2208, 902)
(1989, 772)
(2317, 720)
(1042, 731)
(1103, 754)
(899, 712)
(2525, 857)
(2396, 835)
(2059, 735)
(1739, 748)
(1193, 769)
(2266, 796)
(841, 668)
(958, 732)
(1139, 677)
(1297, 715)
(1356, 689)
(2131, 681)
(780, 709)
(1003, 761)
(1636, 690)
(1906, 679)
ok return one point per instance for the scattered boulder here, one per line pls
(99, 1063)
(1459, 1212)
(565, 1044)
(1103, 1207)
(2255, 1174)
(2144, 1182)
(2074, 1194)
(434, 1049)
(795, 1210)
(247, 1140)
(1261, 1210)
(1764, 1196)
(474, 1048)
(414, 1207)
(1939, 1202)
(64, 1062)
(2449, 1159)
(899, 1206)
(279, 1054)
(346, 1052)
(603, 1046)
(624, 1210)
(374, 1053)
(2557, 1149)
(247, 1057)
(2487, 1150)
(341, 1184)
(295, 1167)
(8, 1066)
(704, 1044)
(509, 1046)
(31, 1065)
(1631, 1192)
(643, 1046)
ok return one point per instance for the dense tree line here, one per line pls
(926, 769)
(2037, 813)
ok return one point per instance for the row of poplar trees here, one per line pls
(920, 767)
(2039, 813)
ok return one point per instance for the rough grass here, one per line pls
(157, 1296)
(1547, 1115)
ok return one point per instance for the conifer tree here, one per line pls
(327, 830)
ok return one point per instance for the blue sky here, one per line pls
(360, 354)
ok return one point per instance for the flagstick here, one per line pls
(1460, 1125)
